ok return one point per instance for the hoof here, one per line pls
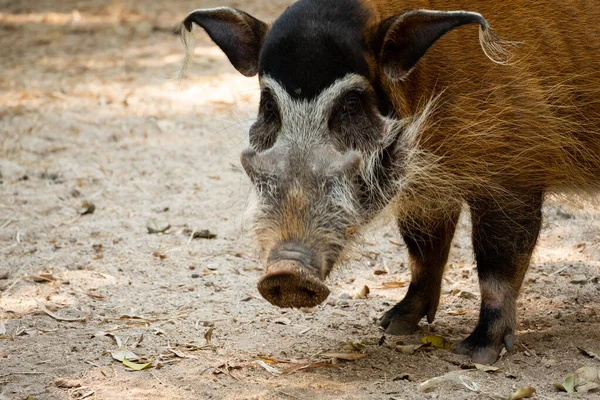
(484, 353)
(479, 355)
(395, 324)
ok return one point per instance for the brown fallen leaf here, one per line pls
(87, 207)
(393, 284)
(457, 312)
(200, 234)
(182, 354)
(486, 368)
(345, 356)
(523, 393)
(208, 335)
(467, 295)
(589, 354)
(59, 318)
(380, 272)
(353, 346)
(66, 383)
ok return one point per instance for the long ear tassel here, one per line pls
(189, 41)
(495, 48)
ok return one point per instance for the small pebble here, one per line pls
(344, 296)
(195, 276)
(579, 279)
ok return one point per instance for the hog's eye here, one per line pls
(352, 105)
(268, 105)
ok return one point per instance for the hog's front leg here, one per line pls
(428, 242)
(504, 237)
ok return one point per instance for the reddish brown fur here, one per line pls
(532, 123)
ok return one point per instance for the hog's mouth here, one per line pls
(291, 279)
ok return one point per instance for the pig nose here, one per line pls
(288, 283)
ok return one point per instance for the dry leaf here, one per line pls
(587, 379)
(466, 295)
(568, 384)
(199, 234)
(117, 339)
(87, 207)
(345, 356)
(282, 321)
(589, 354)
(58, 317)
(362, 293)
(380, 272)
(486, 368)
(208, 335)
(2, 328)
(436, 341)
(453, 379)
(268, 368)
(353, 346)
(523, 393)
(393, 284)
(457, 312)
(66, 383)
(123, 354)
(135, 366)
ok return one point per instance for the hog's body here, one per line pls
(362, 108)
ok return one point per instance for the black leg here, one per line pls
(504, 237)
(428, 247)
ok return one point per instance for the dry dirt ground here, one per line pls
(90, 113)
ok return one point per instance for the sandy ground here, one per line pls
(90, 113)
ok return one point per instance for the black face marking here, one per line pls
(313, 43)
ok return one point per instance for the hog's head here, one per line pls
(324, 153)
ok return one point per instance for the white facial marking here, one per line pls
(306, 120)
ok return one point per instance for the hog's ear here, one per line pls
(237, 33)
(403, 39)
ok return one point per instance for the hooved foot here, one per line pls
(482, 350)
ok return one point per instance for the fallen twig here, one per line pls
(58, 317)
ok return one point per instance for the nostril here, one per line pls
(276, 291)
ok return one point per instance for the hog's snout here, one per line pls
(291, 284)
(292, 279)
